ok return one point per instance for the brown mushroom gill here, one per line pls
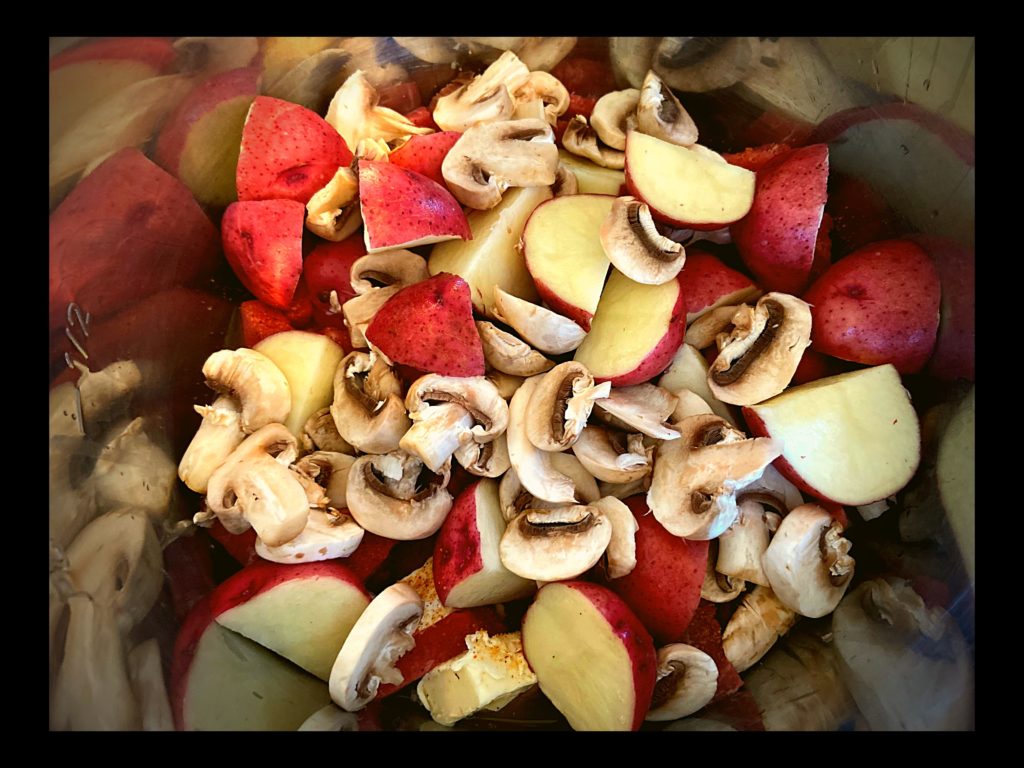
(642, 235)
(776, 316)
(665, 687)
(426, 483)
(565, 391)
(355, 386)
(667, 111)
(834, 552)
(555, 527)
(435, 396)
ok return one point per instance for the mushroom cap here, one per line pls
(534, 467)
(645, 408)
(541, 328)
(255, 381)
(508, 354)
(620, 556)
(368, 409)
(613, 115)
(636, 248)
(328, 534)
(660, 114)
(397, 266)
(382, 634)
(548, 89)
(761, 355)
(485, 459)
(355, 113)
(476, 394)
(219, 433)
(555, 544)
(387, 496)
(321, 433)
(485, 99)
(329, 469)
(580, 139)
(560, 405)
(361, 309)
(717, 587)
(742, 546)
(437, 431)
(686, 682)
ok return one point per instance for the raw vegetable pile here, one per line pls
(537, 411)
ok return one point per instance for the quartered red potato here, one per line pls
(553, 398)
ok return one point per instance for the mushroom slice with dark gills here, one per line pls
(581, 139)
(695, 478)
(718, 587)
(614, 114)
(686, 682)
(509, 354)
(449, 412)
(741, 548)
(754, 628)
(555, 544)
(560, 406)
(636, 248)
(659, 113)
(392, 496)
(485, 459)
(489, 158)
(759, 358)
(487, 98)
(368, 408)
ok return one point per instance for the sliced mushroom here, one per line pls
(686, 682)
(368, 409)
(485, 459)
(699, 64)
(642, 407)
(485, 99)
(382, 634)
(761, 355)
(561, 404)
(513, 498)
(218, 435)
(538, 326)
(356, 115)
(717, 587)
(321, 433)
(634, 246)
(613, 115)
(96, 399)
(333, 212)
(328, 534)
(255, 487)
(437, 431)
(695, 478)
(566, 182)
(475, 394)
(489, 158)
(742, 546)
(808, 562)
(555, 544)
(360, 310)
(505, 383)
(754, 628)
(689, 404)
(611, 455)
(389, 496)
(580, 139)
(772, 490)
(548, 90)
(134, 470)
(255, 381)
(509, 354)
(620, 556)
(533, 466)
(329, 469)
(706, 329)
(660, 114)
(386, 268)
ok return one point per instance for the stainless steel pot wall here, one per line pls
(141, 295)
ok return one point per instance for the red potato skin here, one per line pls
(189, 572)
(659, 358)
(705, 633)
(754, 158)
(262, 576)
(424, 154)
(263, 244)
(626, 625)
(860, 215)
(777, 238)
(429, 326)
(241, 546)
(581, 317)
(813, 365)
(400, 206)
(663, 590)
(260, 321)
(198, 102)
(705, 282)
(422, 117)
(157, 52)
(878, 305)
(128, 217)
(328, 267)
(288, 152)
(457, 547)
(954, 353)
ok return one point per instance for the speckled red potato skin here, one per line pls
(704, 280)
(288, 152)
(424, 154)
(880, 304)
(401, 207)
(429, 326)
(776, 239)
(263, 244)
(457, 548)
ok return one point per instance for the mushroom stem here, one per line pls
(757, 624)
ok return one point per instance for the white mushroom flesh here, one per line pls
(134, 470)
(255, 381)
(659, 113)
(686, 682)
(644, 408)
(333, 212)
(742, 547)
(218, 435)
(757, 624)
(368, 408)
(636, 248)
(539, 327)
(613, 456)
(437, 431)
(561, 404)
(508, 354)
(387, 496)
(580, 139)
(554, 544)
(620, 556)
(614, 114)
(485, 99)
(355, 113)
(328, 534)
(533, 466)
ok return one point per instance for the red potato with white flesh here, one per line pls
(708, 284)
(879, 304)
(199, 142)
(429, 326)
(287, 152)
(85, 75)
(468, 570)
(263, 244)
(686, 187)
(851, 439)
(424, 154)
(663, 590)
(635, 332)
(126, 217)
(403, 209)
(592, 656)
(222, 681)
(777, 238)
(492, 257)
(562, 249)
(302, 612)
